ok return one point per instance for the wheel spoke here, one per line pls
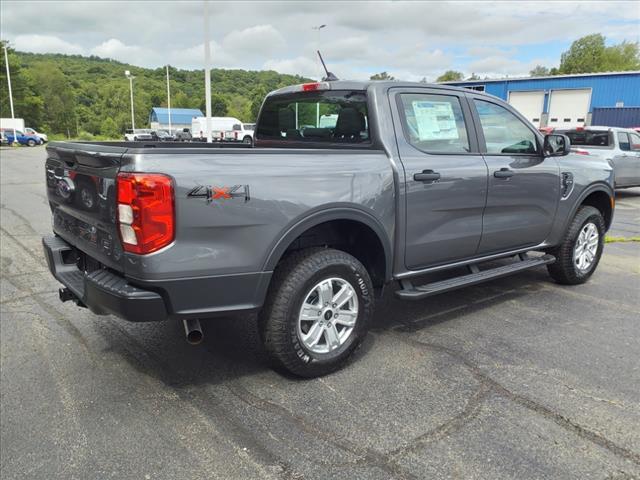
(343, 296)
(326, 292)
(333, 340)
(314, 334)
(346, 318)
(310, 313)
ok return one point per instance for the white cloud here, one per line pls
(254, 41)
(45, 44)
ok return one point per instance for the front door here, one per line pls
(626, 162)
(524, 186)
(445, 176)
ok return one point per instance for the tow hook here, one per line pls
(193, 331)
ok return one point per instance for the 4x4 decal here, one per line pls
(211, 192)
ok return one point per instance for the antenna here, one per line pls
(330, 76)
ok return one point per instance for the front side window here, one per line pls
(504, 133)
(319, 116)
(434, 123)
(623, 140)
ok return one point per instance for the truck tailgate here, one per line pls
(81, 189)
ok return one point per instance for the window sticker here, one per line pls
(435, 120)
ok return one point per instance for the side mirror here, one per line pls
(556, 145)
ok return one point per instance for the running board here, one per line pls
(411, 292)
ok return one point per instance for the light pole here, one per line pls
(127, 74)
(169, 101)
(6, 62)
(207, 72)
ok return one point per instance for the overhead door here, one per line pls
(569, 108)
(529, 104)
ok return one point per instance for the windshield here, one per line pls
(589, 138)
(326, 116)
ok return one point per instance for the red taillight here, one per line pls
(146, 215)
(235, 135)
(312, 87)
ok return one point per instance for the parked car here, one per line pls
(3, 138)
(139, 134)
(620, 146)
(162, 136)
(22, 138)
(41, 136)
(307, 230)
(243, 132)
(183, 135)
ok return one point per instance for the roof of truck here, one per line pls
(365, 84)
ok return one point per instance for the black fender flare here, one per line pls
(310, 220)
(594, 187)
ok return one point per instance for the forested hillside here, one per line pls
(85, 96)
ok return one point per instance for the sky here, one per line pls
(410, 40)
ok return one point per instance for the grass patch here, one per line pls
(609, 239)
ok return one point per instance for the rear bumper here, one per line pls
(102, 291)
(138, 300)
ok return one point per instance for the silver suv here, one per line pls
(620, 146)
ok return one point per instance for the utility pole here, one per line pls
(207, 72)
(6, 62)
(127, 74)
(169, 101)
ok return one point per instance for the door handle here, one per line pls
(503, 173)
(426, 176)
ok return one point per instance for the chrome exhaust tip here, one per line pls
(193, 331)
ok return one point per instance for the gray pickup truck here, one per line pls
(350, 186)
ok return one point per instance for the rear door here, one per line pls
(523, 187)
(445, 180)
(81, 189)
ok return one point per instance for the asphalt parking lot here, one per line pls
(515, 379)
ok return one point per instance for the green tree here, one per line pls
(58, 99)
(539, 71)
(256, 103)
(585, 55)
(450, 76)
(381, 76)
(27, 104)
(109, 128)
(473, 77)
(622, 57)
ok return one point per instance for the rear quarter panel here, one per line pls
(220, 236)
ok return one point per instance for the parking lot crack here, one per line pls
(561, 420)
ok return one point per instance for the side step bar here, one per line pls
(411, 292)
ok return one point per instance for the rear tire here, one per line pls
(579, 253)
(317, 312)
(247, 140)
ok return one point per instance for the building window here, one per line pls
(477, 88)
(566, 120)
(553, 120)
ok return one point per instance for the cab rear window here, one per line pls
(589, 138)
(334, 116)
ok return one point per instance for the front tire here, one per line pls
(579, 253)
(317, 312)
(31, 143)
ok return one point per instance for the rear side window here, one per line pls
(623, 140)
(315, 117)
(504, 133)
(589, 138)
(434, 123)
(635, 141)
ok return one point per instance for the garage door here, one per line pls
(569, 108)
(529, 104)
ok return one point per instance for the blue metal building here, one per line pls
(180, 117)
(568, 100)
